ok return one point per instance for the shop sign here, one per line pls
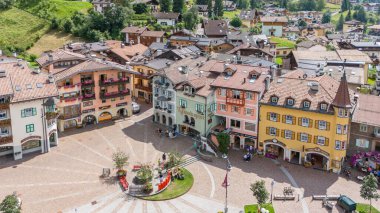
(362, 143)
(191, 114)
(105, 107)
(88, 110)
(122, 104)
(87, 103)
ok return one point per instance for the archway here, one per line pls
(89, 119)
(236, 142)
(70, 123)
(105, 116)
(122, 112)
(164, 119)
(6, 150)
(53, 139)
(170, 121)
(186, 119)
(192, 121)
(318, 160)
(157, 117)
(274, 150)
(31, 145)
(249, 142)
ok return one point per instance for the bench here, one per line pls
(321, 197)
(282, 197)
(136, 167)
(328, 204)
(133, 189)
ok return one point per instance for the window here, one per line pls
(321, 140)
(222, 107)
(305, 122)
(213, 107)
(235, 109)
(274, 99)
(306, 104)
(248, 111)
(29, 128)
(304, 137)
(170, 107)
(288, 134)
(345, 129)
(4, 131)
(223, 92)
(3, 114)
(339, 129)
(199, 108)
(290, 102)
(273, 116)
(323, 107)
(342, 113)
(28, 112)
(322, 125)
(170, 94)
(288, 119)
(235, 123)
(363, 128)
(343, 145)
(156, 90)
(337, 145)
(2, 100)
(250, 126)
(272, 131)
(248, 95)
(236, 94)
(183, 103)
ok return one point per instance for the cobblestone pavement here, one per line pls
(67, 178)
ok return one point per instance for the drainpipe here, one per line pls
(205, 116)
(44, 132)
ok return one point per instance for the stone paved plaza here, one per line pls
(67, 178)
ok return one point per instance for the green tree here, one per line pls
(321, 5)
(307, 5)
(165, 5)
(10, 204)
(190, 18)
(302, 23)
(345, 5)
(260, 192)
(201, 2)
(67, 25)
(5, 4)
(368, 190)
(224, 142)
(361, 15)
(348, 16)
(284, 3)
(120, 159)
(209, 8)
(140, 8)
(326, 18)
(178, 6)
(339, 25)
(242, 4)
(236, 22)
(218, 8)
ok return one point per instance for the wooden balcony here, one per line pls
(235, 101)
(51, 115)
(117, 94)
(6, 121)
(141, 87)
(116, 81)
(88, 97)
(5, 140)
(88, 83)
(4, 105)
(69, 116)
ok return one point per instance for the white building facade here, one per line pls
(164, 101)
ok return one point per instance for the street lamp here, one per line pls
(271, 191)
(225, 183)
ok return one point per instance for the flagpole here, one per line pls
(225, 183)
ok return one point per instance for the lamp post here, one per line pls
(228, 168)
(271, 191)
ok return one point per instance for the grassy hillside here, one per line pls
(20, 29)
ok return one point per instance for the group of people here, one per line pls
(168, 133)
(250, 151)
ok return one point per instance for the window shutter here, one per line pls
(316, 124)
(310, 123)
(315, 139)
(268, 116)
(22, 113)
(326, 142)
(219, 91)
(309, 138)
(252, 112)
(277, 132)
(267, 130)
(283, 133)
(283, 118)
(277, 117)
(293, 135)
(299, 121)
(327, 126)
(219, 107)
(294, 120)
(299, 136)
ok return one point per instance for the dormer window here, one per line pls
(290, 102)
(306, 104)
(274, 99)
(323, 107)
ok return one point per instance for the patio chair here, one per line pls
(106, 172)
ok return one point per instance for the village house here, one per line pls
(101, 5)
(273, 25)
(215, 28)
(137, 35)
(202, 10)
(249, 17)
(28, 115)
(353, 26)
(166, 18)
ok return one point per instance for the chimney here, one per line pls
(50, 57)
(243, 80)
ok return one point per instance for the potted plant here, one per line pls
(148, 188)
(144, 175)
(120, 160)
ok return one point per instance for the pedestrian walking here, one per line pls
(164, 157)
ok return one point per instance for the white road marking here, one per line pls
(106, 140)
(63, 196)
(81, 160)
(211, 179)
(91, 149)
(56, 169)
(49, 184)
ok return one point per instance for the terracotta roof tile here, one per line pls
(59, 55)
(133, 29)
(367, 110)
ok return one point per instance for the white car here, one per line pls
(135, 107)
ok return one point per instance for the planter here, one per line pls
(121, 173)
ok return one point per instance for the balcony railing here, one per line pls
(235, 101)
(6, 139)
(51, 115)
(189, 123)
(121, 93)
(4, 105)
(87, 83)
(88, 97)
(69, 116)
(6, 121)
(141, 87)
(112, 81)
(71, 99)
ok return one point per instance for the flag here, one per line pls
(225, 182)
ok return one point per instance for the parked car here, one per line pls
(347, 204)
(135, 107)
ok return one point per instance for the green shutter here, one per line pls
(23, 113)
(34, 111)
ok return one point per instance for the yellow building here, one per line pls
(306, 120)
